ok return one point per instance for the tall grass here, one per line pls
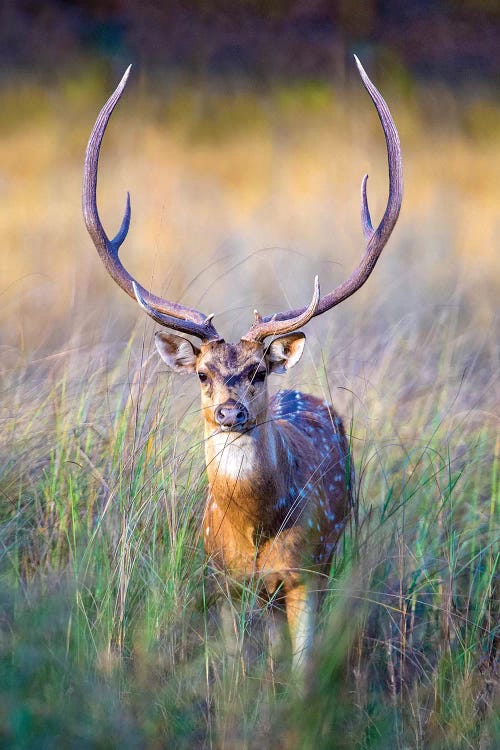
(107, 629)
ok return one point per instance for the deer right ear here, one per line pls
(178, 353)
(285, 351)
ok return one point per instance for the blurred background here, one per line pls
(243, 136)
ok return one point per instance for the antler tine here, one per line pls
(376, 239)
(261, 329)
(185, 326)
(171, 314)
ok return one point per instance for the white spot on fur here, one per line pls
(207, 530)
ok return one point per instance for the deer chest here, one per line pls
(237, 544)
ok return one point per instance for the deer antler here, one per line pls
(376, 239)
(191, 321)
(272, 327)
(171, 314)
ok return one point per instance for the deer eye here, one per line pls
(258, 376)
(203, 377)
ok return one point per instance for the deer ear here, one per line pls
(284, 352)
(177, 352)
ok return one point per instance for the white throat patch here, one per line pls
(231, 454)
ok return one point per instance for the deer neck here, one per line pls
(243, 463)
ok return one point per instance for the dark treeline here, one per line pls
(454, 40)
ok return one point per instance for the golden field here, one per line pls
(238, 199)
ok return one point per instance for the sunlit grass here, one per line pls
(108, 635)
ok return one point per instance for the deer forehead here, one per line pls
(226, 360)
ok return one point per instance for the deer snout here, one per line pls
(231, 414)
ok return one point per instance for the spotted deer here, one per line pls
(279, 469)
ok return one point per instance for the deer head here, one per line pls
(233, 376)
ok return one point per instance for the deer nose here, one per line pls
(231, 414)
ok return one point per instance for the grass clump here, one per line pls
(107, 633)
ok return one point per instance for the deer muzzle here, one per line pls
(231, 415)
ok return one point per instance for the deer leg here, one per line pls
(229, 628)
(275, 630)
(300, 604)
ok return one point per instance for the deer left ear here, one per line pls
(176, 351)
(284, 352)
